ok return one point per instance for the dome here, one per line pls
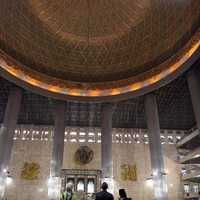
(96, 48)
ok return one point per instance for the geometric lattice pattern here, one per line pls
(174, 104)
(95, 40)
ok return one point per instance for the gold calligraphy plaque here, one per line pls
(128, 172)
(30, 171)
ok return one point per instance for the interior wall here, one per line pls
(29, 151)
(40, 152)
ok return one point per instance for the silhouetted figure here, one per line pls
(104, 195)
(122, 195)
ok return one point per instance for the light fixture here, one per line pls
(149, 182)
(155, 173)
(82, 133)
(9, 180)
(178, 137)
(73, 140)
(82, 140)
(91, 134)
(165, 172)
(73, 133)
(196, 156)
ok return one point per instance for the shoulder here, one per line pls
(109, 195)
(99, 193)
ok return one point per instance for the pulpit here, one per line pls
(87, 181)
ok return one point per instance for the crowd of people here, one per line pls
(103, 195)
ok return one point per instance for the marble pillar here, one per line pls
(106, 140)
(194, 87)
(58, 150)
(156, 152)
(7, 131)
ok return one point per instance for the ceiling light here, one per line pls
(196, 156)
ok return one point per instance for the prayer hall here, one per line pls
(99, 97)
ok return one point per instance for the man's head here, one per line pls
(104, 186)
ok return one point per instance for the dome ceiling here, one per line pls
(95, 47)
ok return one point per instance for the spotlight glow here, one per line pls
(149, 182)
(155, 173)
(196, 156)
(54, 187)
(2, 187)
(9, 180)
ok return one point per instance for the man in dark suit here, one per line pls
(104, 195)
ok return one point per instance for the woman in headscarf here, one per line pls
(122, 195)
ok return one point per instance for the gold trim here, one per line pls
(109, 88)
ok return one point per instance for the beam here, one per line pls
(183, 142)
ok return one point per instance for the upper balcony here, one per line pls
(191, 141)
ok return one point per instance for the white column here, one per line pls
(7, 133)
(156, 152)
(57, 152)
(106, 140)
(194, 87)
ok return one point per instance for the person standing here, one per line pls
(68, 193)
(123, 195)
(104, 195)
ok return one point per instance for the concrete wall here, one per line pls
(40, 152)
